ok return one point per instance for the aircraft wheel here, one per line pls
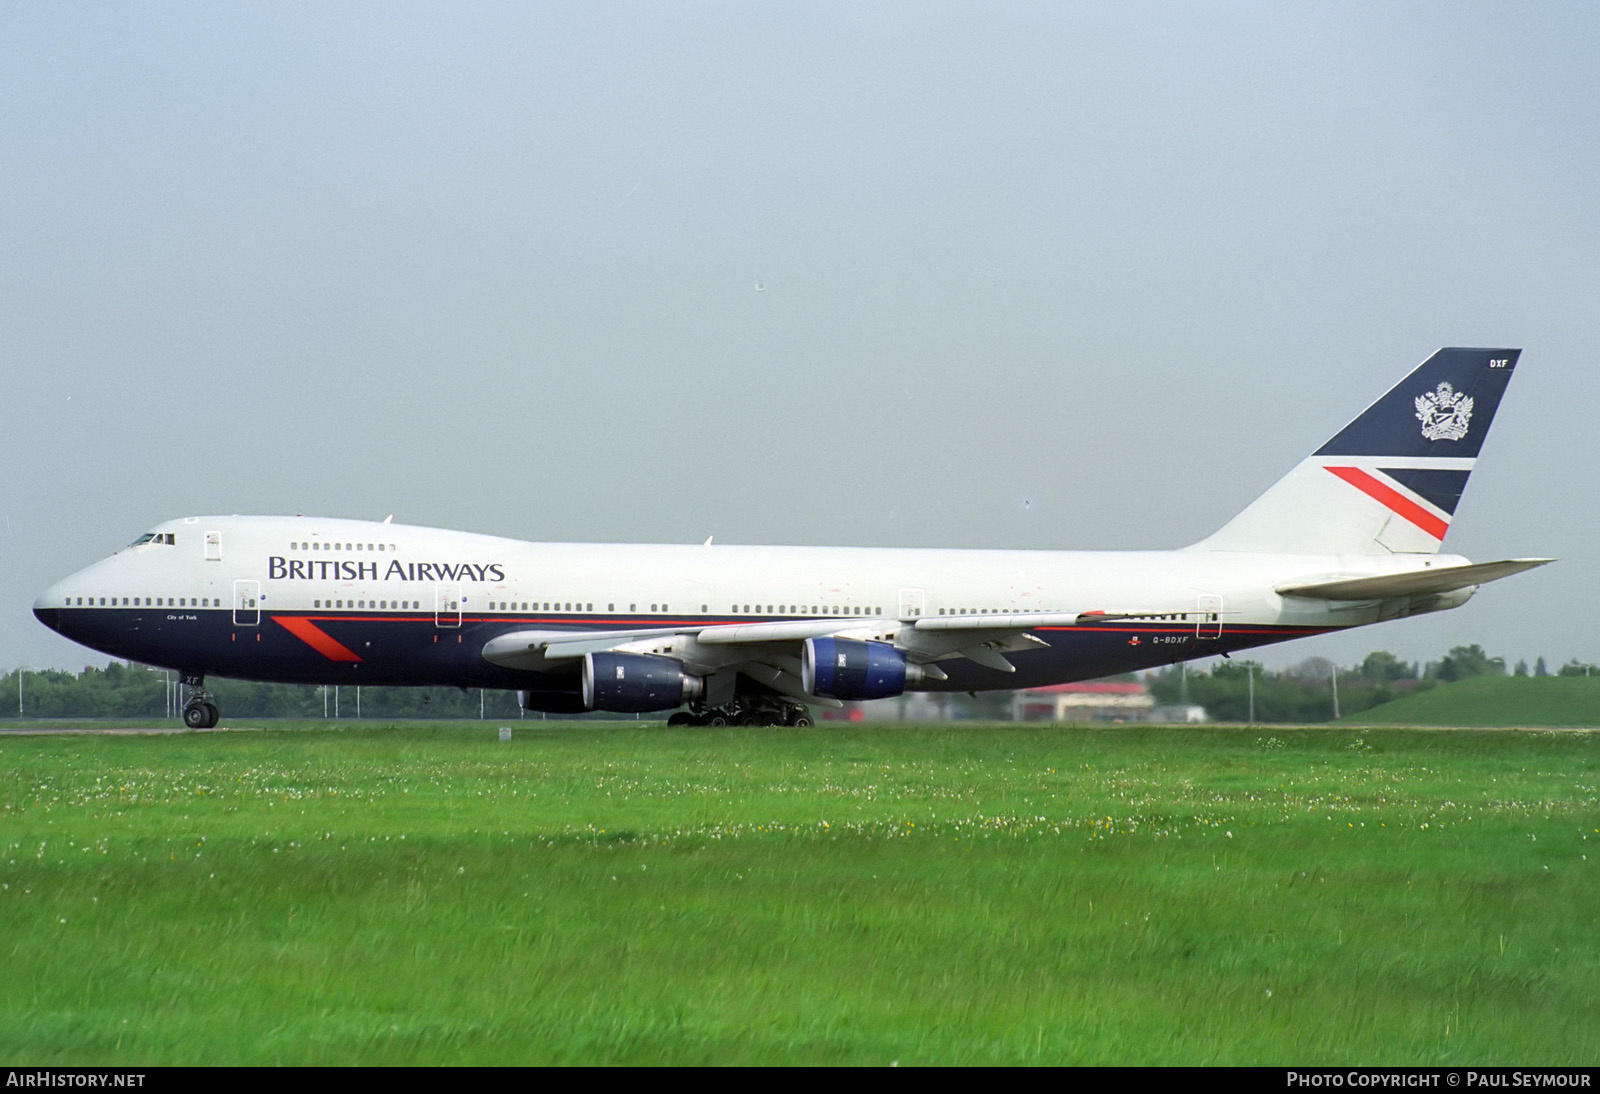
(213, 715)
(682, 718)
(195, 716)
(716, 718)
(802, 721)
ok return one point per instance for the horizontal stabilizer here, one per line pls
(1441, 579)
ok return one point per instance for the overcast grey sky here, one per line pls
(1032, 275)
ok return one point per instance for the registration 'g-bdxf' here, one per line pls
(757, 635)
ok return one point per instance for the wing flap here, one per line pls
(999, 621)
(532, 649)
(794, 630)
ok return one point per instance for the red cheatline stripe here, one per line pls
(315, 637)
(1395, 500)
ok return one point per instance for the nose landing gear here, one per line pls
(199, 712)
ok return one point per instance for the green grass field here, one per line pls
(619, 894)
(1495, 701)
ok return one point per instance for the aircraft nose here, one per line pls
(47, 609)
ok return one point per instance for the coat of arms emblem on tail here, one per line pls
(1444, 413)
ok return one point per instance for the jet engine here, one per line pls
(848, 668)
(633, 683)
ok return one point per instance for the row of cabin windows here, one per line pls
(533, 606)
(513, 606)
(156, 602)
(802, 609)
(319, 546)
(769, 609)
(381, 605)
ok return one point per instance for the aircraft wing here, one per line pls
(1443, 579)
(764, 649)
(530, 649)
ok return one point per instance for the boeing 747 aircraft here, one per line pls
(756, 635)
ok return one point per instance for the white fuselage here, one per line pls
(222, 581)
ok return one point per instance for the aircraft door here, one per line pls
(213, 546)
(246, 603)
(911, 601)
(1208, 621)
(447, 605)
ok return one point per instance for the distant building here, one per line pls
(1089, 701)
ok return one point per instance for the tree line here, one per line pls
(1317, 690)
(1233, 690)
(122, 690)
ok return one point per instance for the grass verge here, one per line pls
(1010, 895)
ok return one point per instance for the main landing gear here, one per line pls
(199, 712)
(770, 712)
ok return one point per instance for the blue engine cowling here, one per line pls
(634, 683)
(847, 668)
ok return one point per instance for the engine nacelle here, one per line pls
(635, 683)
(848, 668)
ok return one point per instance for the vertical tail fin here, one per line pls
(1389, 481)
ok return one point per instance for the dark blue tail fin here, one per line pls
(1389, 481)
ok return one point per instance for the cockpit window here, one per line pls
(168, 538)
